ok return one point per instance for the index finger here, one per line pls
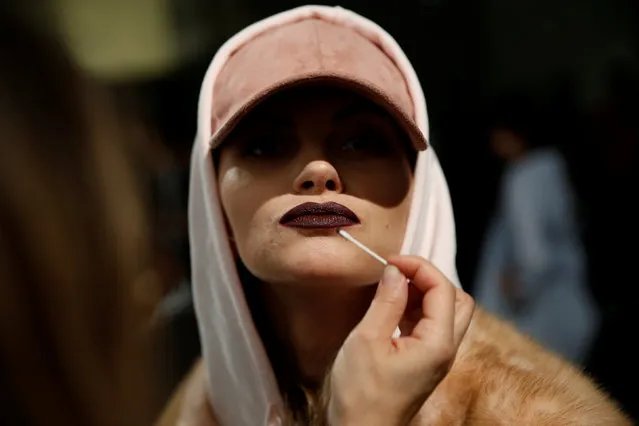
(439, 293)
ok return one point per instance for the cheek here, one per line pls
(388, 186)
(238, 197)
(388, 195)
(246, 201)
(390, 226)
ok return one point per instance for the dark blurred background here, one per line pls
(578, 59)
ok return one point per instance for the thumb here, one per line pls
(387, 307)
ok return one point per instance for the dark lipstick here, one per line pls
(319, 216)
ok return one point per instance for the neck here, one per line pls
(314, 322)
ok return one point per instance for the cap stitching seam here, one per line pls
(320, 56)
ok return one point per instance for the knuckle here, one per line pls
(470, 306)
(417, 258)
(469, 300)
(360, 338)
(391, 299)
(444, 354)
(421, 261)
(465, 299)
(471, 303)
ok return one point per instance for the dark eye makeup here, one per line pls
(360, 141)
(359, 136)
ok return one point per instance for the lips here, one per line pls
(319, 216)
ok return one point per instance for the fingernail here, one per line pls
(392, 276)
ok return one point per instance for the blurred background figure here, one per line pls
(151, 56)
(580, 57)
(613, 229)
(77, 282)
(532, 268)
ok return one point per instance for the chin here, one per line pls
(319, 260)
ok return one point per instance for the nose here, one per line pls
(318, 177)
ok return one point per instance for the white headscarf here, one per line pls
(242, 386)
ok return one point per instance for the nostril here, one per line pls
(307, 184)
(330, 185)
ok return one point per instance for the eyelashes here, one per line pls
(364, 144)
(268, 146)
(358, 144)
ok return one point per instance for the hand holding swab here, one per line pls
(374, 373)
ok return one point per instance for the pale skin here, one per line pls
(319, 285)
(489, 375)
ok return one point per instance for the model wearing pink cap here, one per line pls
(311, 121)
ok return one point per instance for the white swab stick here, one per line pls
(352, 239)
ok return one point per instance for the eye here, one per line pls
(364, 144)
(361, 143)
(258, 149)
(267, 146)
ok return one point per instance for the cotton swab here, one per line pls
(352, 239)
(397, 333)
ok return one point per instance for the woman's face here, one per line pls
(315, 145)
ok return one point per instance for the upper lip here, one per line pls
(317, 209)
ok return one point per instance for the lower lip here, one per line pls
(320, 222)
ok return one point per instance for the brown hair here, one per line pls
(72, 245)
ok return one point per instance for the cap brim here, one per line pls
(362, 88)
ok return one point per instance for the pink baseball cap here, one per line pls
(303, 52)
